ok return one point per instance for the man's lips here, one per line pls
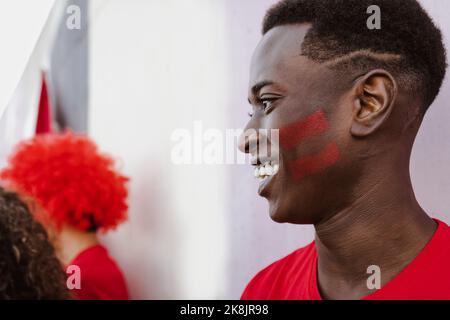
(264, 185)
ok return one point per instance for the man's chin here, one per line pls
(284, 215)
(276, 214)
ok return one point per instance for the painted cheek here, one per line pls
(293, 135)
(311, 164)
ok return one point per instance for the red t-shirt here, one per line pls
(101, 278)
(294, 277)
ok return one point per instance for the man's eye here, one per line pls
(267, 104)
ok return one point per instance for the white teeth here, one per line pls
(262, 171)
(266, 170)
(275, 168)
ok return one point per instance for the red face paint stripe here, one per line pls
(308, 127)
(312, 164)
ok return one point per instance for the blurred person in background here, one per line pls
(75, 191)
(29, 268)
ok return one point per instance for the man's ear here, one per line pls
(375, 95)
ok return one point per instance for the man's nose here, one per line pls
(248, 141)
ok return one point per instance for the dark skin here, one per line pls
(363, 207)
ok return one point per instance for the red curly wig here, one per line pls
(70, 179)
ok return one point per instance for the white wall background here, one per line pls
(431, 154)
(21, 22)
(28, 36)
(201, 231)
(156, 66)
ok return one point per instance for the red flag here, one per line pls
(44, 119)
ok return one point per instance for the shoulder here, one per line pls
(439, 243)
(101, 277)
(278, 271)
(443, 229)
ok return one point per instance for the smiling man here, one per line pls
(348, 103)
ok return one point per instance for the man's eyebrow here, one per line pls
(257, 87)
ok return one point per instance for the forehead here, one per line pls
(278, 54)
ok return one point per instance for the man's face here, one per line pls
(306, 102)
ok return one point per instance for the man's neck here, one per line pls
(384, 226)
(71, 241)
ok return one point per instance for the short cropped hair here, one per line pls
(408, 44)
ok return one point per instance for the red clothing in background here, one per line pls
(295, 277)
(101, 278)
(44, 119)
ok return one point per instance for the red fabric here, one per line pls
(101, 278)
(294, 277)
(44, 120)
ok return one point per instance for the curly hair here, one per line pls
(29, 268)
(339, 29)
(70, 179)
